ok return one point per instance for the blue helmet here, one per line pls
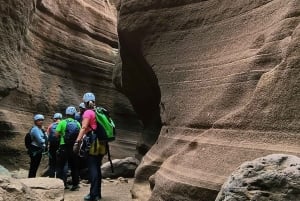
(57, 116)
(88, 97)
(71, 110)
(81, 105)
(38, 117)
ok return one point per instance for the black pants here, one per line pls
(65, 155)
(53, 147)
(95, 176)
(35, 154)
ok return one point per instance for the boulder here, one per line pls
(122, 168)
(35, 189)
(46, 188)
(274, 177)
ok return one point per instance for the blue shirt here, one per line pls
(38, 137)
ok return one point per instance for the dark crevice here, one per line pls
(140, 85)
(6, 129)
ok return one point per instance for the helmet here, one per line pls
(81, 105)
(57, 116)
(88, 97)
(38, 117)
(71, 110)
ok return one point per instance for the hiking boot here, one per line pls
(89, 198)
(74, 188)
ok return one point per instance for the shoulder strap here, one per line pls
(96, 121)
(30, 131)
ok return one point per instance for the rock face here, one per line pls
(274, 177)
(224, 79)
(51, 52)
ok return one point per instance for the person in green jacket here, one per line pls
(67, 131)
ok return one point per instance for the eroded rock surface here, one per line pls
(274, 177)
(51, 52)
(225, 78)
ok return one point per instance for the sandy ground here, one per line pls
(112, 190)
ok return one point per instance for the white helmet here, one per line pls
(38, 117)
(88, 97)
(81, 105)
(57, 116)
(71, 110)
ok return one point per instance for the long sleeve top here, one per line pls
(38, 137)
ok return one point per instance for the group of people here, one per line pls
(62, 141)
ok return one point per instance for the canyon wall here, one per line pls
(52, 52)
(223, 77)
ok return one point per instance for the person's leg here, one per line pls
(34, 165)
(100, 174)
(73, 162)
(94, 174)
(61, 163)
(52, 159)
(35, 159)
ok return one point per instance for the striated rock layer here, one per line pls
(52, 52)
(225, 75)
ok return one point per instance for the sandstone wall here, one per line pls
(51, 53)
(224, 76)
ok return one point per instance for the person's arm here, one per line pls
(84, 129)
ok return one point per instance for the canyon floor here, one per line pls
(112, 190)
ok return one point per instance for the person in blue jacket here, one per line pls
(37, 146)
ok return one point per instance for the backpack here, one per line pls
(28, 139)
(52, 137)
(105, 130)
(96, 147)
(71, 132)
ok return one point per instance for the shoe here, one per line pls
(97, 198)
(74, 188)
(67, 187)
(88, 198)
